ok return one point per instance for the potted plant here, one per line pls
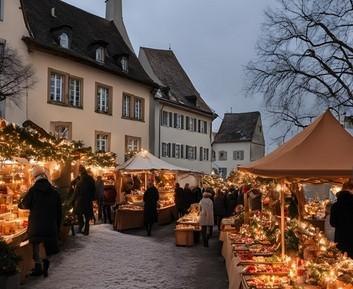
(9, 274)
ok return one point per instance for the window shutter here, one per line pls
(187, 152)
(168, 150)
(201, 153)
(181, 122)
(170, 119)
(195, 153)
(175, 120)
(173, 150)
(181, 151)
(199, 128)
(187, 123)
(205, 127)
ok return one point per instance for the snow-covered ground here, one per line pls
(108, 259)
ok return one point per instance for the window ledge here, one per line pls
(133, 119)
(102, 112)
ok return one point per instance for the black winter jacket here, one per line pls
(44, 203)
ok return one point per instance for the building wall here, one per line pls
(85, 122)
(230, 163)
(165, 134)
(258, 142)
(12, 29)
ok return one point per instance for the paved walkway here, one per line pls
(108, 259)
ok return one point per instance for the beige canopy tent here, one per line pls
(322, 150)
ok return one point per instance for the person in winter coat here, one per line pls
(83, 200)
(150, 199)
(206, 217)
(231, 201)
(100, 196)
(187, 196)
(255, 200)
(44, 203)
(179, 200)
(219, 208)
(108, 201)
(342, 217)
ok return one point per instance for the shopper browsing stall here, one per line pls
(44, 204)
(206, 217)
(83, 200)
(150, 199)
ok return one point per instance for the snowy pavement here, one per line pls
(112, 260)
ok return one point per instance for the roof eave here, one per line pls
(185, 107)
(33, 44)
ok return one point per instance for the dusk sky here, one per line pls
(213, 40)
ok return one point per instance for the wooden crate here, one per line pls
(184, 237)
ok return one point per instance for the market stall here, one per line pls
(321, 153)
(132, 179)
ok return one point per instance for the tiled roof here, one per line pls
(237, 127)
(171, 74)
(86, 32)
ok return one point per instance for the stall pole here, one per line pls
(246, 208)
(146, 180)
(283, 252)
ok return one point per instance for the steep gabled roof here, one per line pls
(237, 127)
(85, 30)
(171, 74)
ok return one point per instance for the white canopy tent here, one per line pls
(145, 161)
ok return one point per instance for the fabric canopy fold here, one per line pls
(324, 149)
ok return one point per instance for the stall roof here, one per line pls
(145, 161)
(324, 149)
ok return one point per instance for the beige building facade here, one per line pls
(92, 90)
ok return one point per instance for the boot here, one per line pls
(37, 271)
(46, 265)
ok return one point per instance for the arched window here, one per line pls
(64, 40)
(100, 53)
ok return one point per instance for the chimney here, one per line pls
(114, 12)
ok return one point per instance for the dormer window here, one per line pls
(124, 64)
(100, 54)
(64, 40)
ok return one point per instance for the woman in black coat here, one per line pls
(342, 218)
(150, 198)
(44, 203)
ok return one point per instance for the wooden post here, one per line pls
(246, 208)
(283, 249)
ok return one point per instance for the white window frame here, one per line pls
(224, 157)
(138, 107)
(57, 87)
(75, 92)
(64, 40)
(177, 151)
(223, 172)
(102, 142)
(126, 105)
(206, 154)
(238, 155)
(103, 99)
(100, 54)
(64, 133)
(164, 150)
(165, 117)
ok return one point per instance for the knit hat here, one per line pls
(37, 170)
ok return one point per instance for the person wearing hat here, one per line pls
(85, 191)
(44, 203)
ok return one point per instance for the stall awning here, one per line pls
(145, 161)
(322, 150)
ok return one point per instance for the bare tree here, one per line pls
(304, 60)
(15, 77)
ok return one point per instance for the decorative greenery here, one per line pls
(33, 143)
(8, 260)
